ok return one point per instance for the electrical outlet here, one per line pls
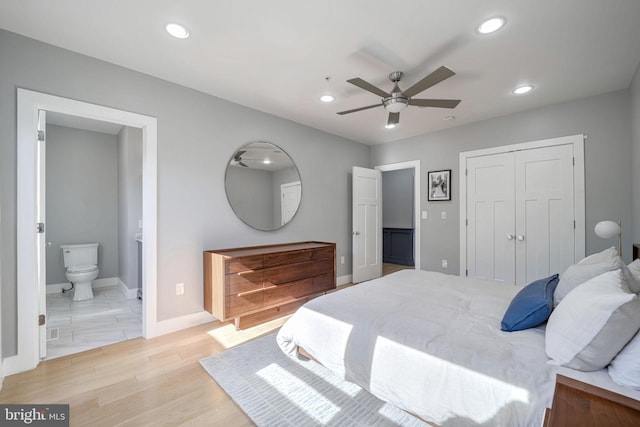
(444, 263)
(179, 288)
(342, 260)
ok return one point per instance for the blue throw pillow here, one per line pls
(531, 306)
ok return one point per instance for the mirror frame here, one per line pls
(230, 198)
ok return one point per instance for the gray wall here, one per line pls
(82, 197)
(397, 198)
(129, 203)
(197, 134)
(635, 151)
(604, 118)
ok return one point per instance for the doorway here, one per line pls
(408, 220)
(31, 289)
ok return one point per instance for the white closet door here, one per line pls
(490, 207)
(544, 215)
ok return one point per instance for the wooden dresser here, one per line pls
(254, 284)
(584, 405)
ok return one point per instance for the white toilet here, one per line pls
(81, 268)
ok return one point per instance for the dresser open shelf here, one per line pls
(258, 283)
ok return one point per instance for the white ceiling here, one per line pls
(274, 55)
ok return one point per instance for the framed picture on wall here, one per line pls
(439, 185)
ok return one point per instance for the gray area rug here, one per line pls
(276, 390)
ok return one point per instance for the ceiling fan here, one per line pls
(398, 100)
(238, 158)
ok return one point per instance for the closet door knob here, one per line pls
(356, 233)
(510, 236)
(520, 237)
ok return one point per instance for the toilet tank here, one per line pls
(80, 254)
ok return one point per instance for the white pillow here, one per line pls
(577, 274)
(625, 367)
(605, 255)
(634, 268)
(593, 323)
(632, 272)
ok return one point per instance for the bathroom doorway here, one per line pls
(31, 282)
(93, 183)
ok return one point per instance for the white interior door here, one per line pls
(491, 223)
(545, 232)
(367, 224)
(290, 195)
(41, 245)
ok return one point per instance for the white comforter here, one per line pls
(431, 344)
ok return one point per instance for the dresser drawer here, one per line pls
(239, 304)
(243, 282)
(288, 273)
(286, 258)
(323, 283)
(245, 263)
(288, 292)
(322, 266)
(323, 253)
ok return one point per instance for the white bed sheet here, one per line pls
(431, 344)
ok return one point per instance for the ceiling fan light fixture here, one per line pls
(178, 31)
(521, 90)
(491, 25)
(327, 98)
(396, 104)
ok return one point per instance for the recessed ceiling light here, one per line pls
(327, 98)
(178, 31)
(491, 25)
(521, 90)
(266, 161)
(390, 126)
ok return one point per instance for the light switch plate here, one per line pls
(424, 214)
(443, 214)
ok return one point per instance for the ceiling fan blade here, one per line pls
(432, 79)
(242, 164)
(394, 119)
(368, 87)
(437, 103)
(359, 109)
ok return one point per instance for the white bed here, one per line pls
(431, 344)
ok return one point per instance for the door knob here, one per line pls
(356, 233)
(510, 236)
(48, 244)
(520, 237)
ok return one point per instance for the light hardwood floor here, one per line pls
(155, 382)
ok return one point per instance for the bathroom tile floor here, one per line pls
(82, 325)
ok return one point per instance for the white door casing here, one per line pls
(41, 244)
(367, 224)
(548, 209)
(28, 106)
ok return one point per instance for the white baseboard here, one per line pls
(179, 323)
(343, 280)
(98, 283)
(128, 293)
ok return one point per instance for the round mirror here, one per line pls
(263, 185)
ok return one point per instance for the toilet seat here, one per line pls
(82, 268)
